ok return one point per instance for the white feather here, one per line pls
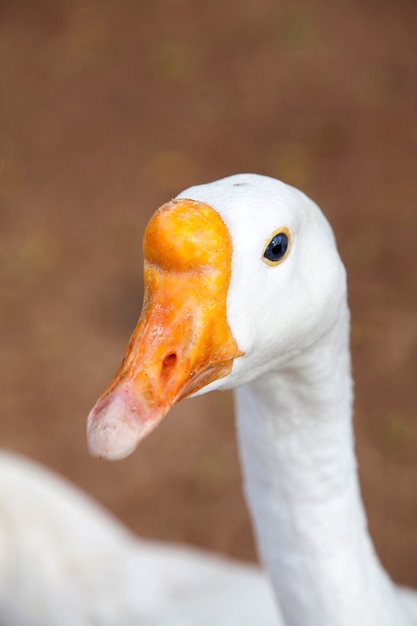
(294, 410)
(65, 561)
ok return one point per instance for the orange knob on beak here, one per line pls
(182, 341)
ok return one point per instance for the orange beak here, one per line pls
(182, 341)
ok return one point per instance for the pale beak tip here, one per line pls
(110, 433)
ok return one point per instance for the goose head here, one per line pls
(241, 275)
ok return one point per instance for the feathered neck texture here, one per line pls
(301, 482)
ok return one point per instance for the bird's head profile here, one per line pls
(240, 275)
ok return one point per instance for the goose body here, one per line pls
(244, 288)
(65, 561)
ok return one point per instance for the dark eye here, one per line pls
(277, 248)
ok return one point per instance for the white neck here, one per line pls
(297, 452)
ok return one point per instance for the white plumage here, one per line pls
(290, 322)
(65, 561)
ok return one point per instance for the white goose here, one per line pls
(244, 289)
(63, 560)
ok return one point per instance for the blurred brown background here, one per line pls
(108, 109)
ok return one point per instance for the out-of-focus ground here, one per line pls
(109, 109)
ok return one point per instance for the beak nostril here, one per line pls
(169, 361)
(167, 366)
